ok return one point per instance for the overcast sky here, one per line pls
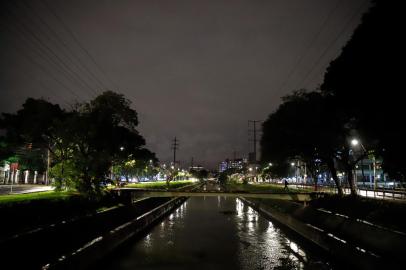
(198, 70)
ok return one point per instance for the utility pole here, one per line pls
(175, 146)
(48, 163)
(253, 157)
(254, 130)
(191, 163)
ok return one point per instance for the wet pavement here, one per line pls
(216, 233)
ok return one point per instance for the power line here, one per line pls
(42, 67)
(23, 52)
(54, 56)
(42, 54)
(81, 65)
(310, 45)
(332, 43)
(67, 29)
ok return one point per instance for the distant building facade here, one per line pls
(239, 163)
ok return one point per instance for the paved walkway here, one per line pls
(20, 189)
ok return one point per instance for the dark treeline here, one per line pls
(361, 97)
(85, 143)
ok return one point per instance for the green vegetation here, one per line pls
(83, 154)
(45, 195)
(161, 185)
(261, 187)
(347, 118)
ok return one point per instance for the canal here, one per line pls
(215, 233)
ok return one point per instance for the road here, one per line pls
(20, 189)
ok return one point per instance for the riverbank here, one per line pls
(384, 213)
(161, 184)
(261, 188)
(26, 212)
(351, 240)
(99, 248)
(50, 244)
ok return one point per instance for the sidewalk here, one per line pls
(21, 189)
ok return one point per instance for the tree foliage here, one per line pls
(85, 142)
(366, 80)
(359, 97)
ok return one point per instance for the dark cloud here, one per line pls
(197, 70)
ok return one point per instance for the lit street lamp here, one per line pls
(356, 142)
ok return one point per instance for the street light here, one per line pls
(355, 142)
(270, 164)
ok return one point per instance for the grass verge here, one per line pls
(44, 195)
(161, 185)
(261, 187)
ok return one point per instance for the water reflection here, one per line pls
(259, 239)
(216, 233)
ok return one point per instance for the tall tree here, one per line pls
(366, 80)
(301, 128)
(99, 133)
(84, 142)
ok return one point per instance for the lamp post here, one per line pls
(356, 142)
(269, 172)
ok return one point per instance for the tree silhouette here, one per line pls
(366, 80)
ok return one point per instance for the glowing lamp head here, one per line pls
(354, 142)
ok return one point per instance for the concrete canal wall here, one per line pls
(354, 242)
(101, 246)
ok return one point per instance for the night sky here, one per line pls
(198, 70)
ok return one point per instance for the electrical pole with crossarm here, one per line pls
(253, 128)
(175, 146)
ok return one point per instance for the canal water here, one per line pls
(216, 233)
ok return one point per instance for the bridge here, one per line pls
(292, 196)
